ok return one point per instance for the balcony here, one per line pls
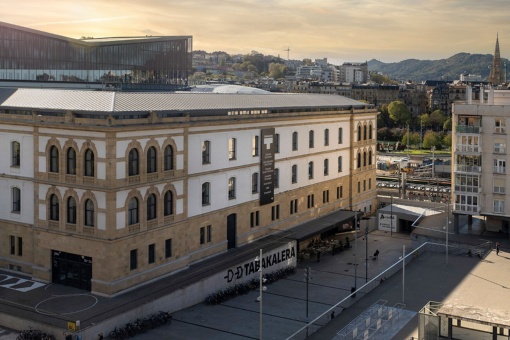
(466, 208)
(499, 170)
(468, 129)
(474, 149)
(468, 168)
(467, 188)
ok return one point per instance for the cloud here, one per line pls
(77, 21)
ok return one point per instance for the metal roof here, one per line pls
(118, 102)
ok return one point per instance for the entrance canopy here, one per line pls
(323, 224)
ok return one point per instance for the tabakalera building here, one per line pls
(108, 190)
(134, 63)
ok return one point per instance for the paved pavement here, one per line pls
(284, 303)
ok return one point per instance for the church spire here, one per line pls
(496, 76)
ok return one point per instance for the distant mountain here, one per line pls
(444, 69)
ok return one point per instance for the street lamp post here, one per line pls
(308, 274)
(391, 215)
(366, 254)
(403, 273)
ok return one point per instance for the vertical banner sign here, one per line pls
(267, 166)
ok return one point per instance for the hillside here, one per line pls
(446, 69)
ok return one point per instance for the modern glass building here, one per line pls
(31, 55)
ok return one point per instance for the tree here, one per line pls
(277, 71)
(437, 118)
(414, 138)
(431, 139)
(447, 140)
(399, 112)
(425, 120)
(383, 118)
(447, 126)
(384, 134)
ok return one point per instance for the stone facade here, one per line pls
(84, 204)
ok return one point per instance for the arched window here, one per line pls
(364, 132)
(294, 174)
(232, 148)
(326, 137)
(54, 208)
(205, 193)
(71, 210)
(133, 211)
(294, 141)
(255, 182)
(359, 133)
(71, 161)
(364, 158)
(53, 159)
(169, 158)
(16, 200)
(359, 160)
(370, 157)
(231, 188)
(151, 160)
(89, 163)
(206, 152)
(310, 170)
(89, 213)
(326, 167)
(15, 154)
(151, 207)
(370, 131)
(169, 203)
(311, 142)
(133, 163)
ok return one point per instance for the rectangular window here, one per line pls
(339, 163)
(277, 143)
(254, 219)
(255, 146)
(500, 125)
(326, 137)
(310, 201)
(275, 212)
(13, 245)
(500, 148)
(255, 183)
(499, 206)
(152, 253)
(359, 187)
(326, 167)
(369, 184)
(325, 196)
(311, 139)
(276, 178)
(168, 248)
(209, 235)
(133, 259)
(364, 185)
(202, 235)
(340, 136)
(20, 246)
(339, 192)
(293, 206)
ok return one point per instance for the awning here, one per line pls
(322, 224)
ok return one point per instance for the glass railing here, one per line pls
(468, 168)
(499, 170)
(469, 148)
(467, 188)
(468, 129)
(466, 208)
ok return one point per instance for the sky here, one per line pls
(340, 30)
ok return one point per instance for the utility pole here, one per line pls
(366, 253)
(391, 216)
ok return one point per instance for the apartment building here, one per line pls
(480, 140)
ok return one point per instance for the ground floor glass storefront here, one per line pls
(71, 269)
